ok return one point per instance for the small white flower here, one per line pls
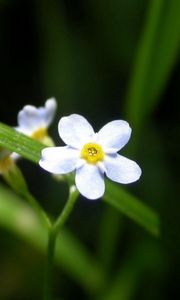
(91, 154)
(34, 121)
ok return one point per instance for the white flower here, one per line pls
(34, 121)
(91, 155)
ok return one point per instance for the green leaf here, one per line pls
(19, 218)
(20, 143)
(132, 207)
(115, 196)
(157, 53)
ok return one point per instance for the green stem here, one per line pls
(48, 280)
(73, 194)
(53, 231)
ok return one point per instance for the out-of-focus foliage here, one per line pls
(105, 60)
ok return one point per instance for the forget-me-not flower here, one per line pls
(34, 121)
(91, 155)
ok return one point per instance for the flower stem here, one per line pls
(52, 237)
(73, 194)
(48, 280)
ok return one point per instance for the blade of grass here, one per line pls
(132, 207)
(166, 52)
(136, 91)
(20, 143)
(156, 54)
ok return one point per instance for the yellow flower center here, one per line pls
(39, 134)
(92, 153)
(5, 164)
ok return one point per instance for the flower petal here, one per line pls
(75, 130)
(31, 118)
(49, 111)
(59, 160)
(114, 135)
(121, 169)
(90, 181)
(28, 119)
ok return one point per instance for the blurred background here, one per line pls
(106, 60)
